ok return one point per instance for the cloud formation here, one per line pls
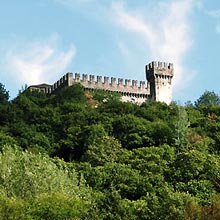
(38, 61)
(167, 39)
(160, 31)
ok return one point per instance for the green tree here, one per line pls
(208, 98)
(196, 172)
(108, 150)
(133, 131)
(4, 94)
(74, 93)
(25, 174)
(181, 129)
(6, 139)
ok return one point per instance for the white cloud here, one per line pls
(162, 32)
(37, 62)
(167, 39)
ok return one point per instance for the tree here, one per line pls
(181, 129)
(132, 131)
(4, 94)
(108, 150)
(74, 93)
(208, 98)
(24, 175)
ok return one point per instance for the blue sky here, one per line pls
(42, 40)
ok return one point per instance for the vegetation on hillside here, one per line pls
(87, 155)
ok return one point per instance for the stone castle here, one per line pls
(157, 87)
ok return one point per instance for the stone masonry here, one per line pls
(157, 87)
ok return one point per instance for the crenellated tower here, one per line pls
(160, 75)
(158, 86)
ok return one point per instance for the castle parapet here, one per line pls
(159, 70)
(84, 77)
(66, 80)
(106, 81)
(77, 77)
(116, 85)
(134, 84)
(120, 83)
(99, 80)
(156, 88)
(142, 85)
(159, 66)
(127, 83)
(113, 82)
(91, 79)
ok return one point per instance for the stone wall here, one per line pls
(160, 75)
(156, 88)
(115, 85)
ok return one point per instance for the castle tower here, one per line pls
(160, 75)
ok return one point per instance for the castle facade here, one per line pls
(157, 87)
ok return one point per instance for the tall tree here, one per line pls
(4, 94)
(208, 98)
(181, 128)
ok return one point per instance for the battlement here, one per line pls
(64, 81)
(158, 75)
(111, 84)
(159, 70)
(159, 66)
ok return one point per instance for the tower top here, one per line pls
(159, 65)
(160, 68)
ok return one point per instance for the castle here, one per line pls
(157, 87)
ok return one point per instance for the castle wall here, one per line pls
(156, 88)
(163, 91)
(64, 81)
(115, 85)
(132, 91)
(135, 98)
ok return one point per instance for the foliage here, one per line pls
(87, 155)
(24, 174)
(208, 98)
(181, 129)
(108, 149)
(104, 96)
(4, 94)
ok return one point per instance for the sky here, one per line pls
(42, 40)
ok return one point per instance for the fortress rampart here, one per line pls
(131, 90)
(115, 85)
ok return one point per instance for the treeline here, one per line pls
(85, 155)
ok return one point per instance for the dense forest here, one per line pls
(86, 155)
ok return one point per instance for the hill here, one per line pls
(86, 155)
